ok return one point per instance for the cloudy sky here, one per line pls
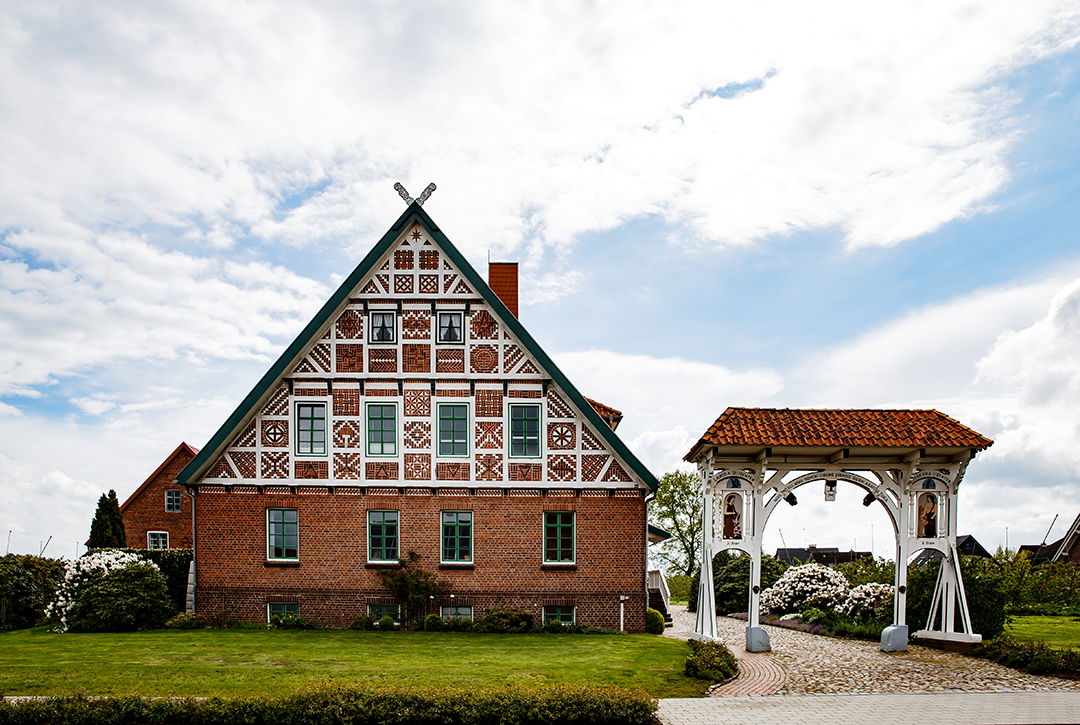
(756, 204)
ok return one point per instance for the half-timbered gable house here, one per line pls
(416, 413)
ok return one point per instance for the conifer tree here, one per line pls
(107, 528)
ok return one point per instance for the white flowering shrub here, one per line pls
(863, 600)
(802, 587)
(109, 591)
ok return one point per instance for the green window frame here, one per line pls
(559, 537)
(525, 431)
(381, 610)
(457, 530)
(382, 433)
(311, 429)
(382, 535)
(455, 612)
(453, 429)
(564, 614)
(282, 609)
(282, 534)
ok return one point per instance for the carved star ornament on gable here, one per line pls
(408, 199)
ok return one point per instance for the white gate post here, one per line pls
(705, 626)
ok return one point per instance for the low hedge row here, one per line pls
(710, 660)
(1036, 658)
(338, 705)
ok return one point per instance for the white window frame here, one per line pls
(159, 534)
(371, 327)
(540, 432)
(468, 429)
(179, 501)
(397, 429)
(270, 604)
(321, 403)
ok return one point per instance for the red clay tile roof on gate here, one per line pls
(839, 428)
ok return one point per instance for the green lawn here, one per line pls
(242, 662)
(1055, 631)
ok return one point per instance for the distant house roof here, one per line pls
(610, 416)
(1068, 541)
(824, 555)
(965, 543)
(838, 429)
(182, 447)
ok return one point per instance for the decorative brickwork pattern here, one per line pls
(382, 359)
(589, 441)
(518, 393)
(320, 355)
(403, 284)
(347, 466)
(279, 403)
(489, 404)
(346, 402)
(416, 325)
(462, 289)
(525, 471)
(381, 471)
(528, 369)
(417, 467)
(385, 266)
(453, 492)
(313, 490)
(489, 492)
(449, 361)
(370, 288)
(561, 468)
(416, 358)
(403, 259)
(350, 358)
(247, 438)
(275, 465)
(429, 284)
(221, 469)
(384, 281)
(446, 266)
(312, 469)
(275, 433)
(347, 434)
(245, 463)
(592, 465)
(512, 355)
(562, 436)
(350, 325)
(483, 359)
(484, 326)
(615, 472)
(560, 493)
(452, 471)
(557, 407)
(309, 392)
(489, 467)
(306, 366)
(429, 259)
(417, 403)
(448, 281)
(489, 434)
(417, 434)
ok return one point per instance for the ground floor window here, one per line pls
(157, 539)
(457, 612)
(382, 535)
(456, 536)
(563, 614)
(384, 610)
(559, 536)
(281, 609)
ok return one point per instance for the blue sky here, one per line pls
(712, 204)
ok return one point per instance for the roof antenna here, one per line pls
(408, 199)
(1039, 552)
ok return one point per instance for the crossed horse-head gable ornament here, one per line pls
(408, 199)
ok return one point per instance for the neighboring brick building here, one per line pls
(158, 514)
(415, 413)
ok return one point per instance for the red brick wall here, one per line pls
(145, 510)
(333, 586)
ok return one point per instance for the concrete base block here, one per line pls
(757, 640)
(894, 638)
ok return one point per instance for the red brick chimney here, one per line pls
(503, 280)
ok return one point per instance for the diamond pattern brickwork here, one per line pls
(347, 466)
(275, 464)
(489, 434)
(561, 468)
(484, 326)
(417, 403)
(417, 434)
(417, 467)
(350, 325)
(416, 325)
(489, 467)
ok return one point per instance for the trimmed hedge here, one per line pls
(710, 660)
(654, 621)
(363, 705)
(1035, 658)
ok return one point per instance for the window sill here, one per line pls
(551, 566)
(382, 565)
(283, 563)
(458, 565)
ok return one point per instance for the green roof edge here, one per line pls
(657, 531)
(216, 445)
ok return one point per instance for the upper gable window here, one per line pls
(311, 427)
(525, 430)
(450, 328)
(383, 327)
(172, 500)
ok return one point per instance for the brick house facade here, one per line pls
(415, 413)
(158, 514)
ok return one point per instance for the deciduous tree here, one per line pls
(677, 509)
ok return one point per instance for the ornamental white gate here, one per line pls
(916, 479)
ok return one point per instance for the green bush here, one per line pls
(813, 615)
(710, 660)
(731, 581)
(124, 600)
(1037, 658)
(291, 621)
(184, 620)
(174, 565)
(364, 622)
(458, 624)
(362, 705)
(433, 623)
(654, 622)
(505, 620)
(27, 585)
(387, 623)
(554, 626)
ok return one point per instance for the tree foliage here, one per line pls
(731, 580)
(413, 587)
(107, 528)
(27, 584)
(677, 509)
